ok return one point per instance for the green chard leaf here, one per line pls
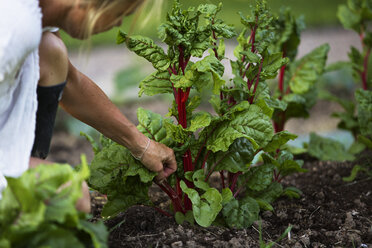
(289, 31)
(271, 64)
(237, 158)
(221, 49)
(154, 126)
(198, 178)
(278, 140)
(131, 192)
(205, 207)
(201, 73)
(306, 71)
(259, 177)
(156, 83)
(292, 192)
(284, 163)
(328, 149)
(146, 48)
(364, 99)
(38, 209)
(349, 18)
(241, 214)
(250, 123)
(125, 180)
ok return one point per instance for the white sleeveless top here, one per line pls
(20, 34)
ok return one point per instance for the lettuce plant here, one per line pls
(38, 210)
(221, 145)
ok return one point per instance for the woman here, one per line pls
(81, 97)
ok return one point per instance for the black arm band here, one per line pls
(48, 99)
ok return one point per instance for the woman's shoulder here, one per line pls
(53, 46)
(53, 58)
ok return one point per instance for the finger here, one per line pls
(171, 163)
(168, 171)
(160, 177)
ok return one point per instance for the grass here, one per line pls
(317, 13)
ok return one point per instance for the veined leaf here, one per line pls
(251, 123)
(177, 132)
(364, 99)
(221, 49)
(237, 158)
(259, 177)
(126, 194)
(278, 140)
(199, 120)
(146, 48)
(271, 193)
(241, 214)
(205, 207)
(251, 57)
(209, 9)
(227, 195)
(349, 18)
(113, 165)
(200, 74)
(153, 126)
(271, 64)
(306, 71)
(156, 83)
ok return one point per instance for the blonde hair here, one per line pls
(98, 7)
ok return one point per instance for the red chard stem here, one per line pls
(222, 179)
(257, 81)
(365, 69)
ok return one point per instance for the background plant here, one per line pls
(38, 210)
(222, 144)
(357, 114)
(297, 81)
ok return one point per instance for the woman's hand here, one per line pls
(159, 158)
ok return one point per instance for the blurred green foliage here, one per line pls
(317, 13)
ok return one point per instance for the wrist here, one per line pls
(139, 155)
(136, 142)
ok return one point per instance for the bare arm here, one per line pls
(84, 100)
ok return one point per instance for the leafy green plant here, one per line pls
(206, 145)
(357, 117)
(297, 81)
(357, 114)
(38, 210)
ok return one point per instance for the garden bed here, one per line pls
(330, 213)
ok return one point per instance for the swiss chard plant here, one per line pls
(237, 144)
(297, 80)
(38, 210)
(357, 114)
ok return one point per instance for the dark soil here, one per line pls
(330, 213)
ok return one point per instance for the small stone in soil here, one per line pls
(177, 244)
